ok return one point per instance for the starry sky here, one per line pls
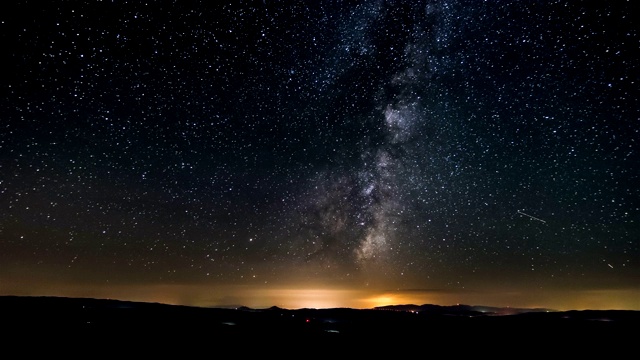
(321, 153)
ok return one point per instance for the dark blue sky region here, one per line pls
(423, 151)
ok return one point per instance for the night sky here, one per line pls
(321, 153)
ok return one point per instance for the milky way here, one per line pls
(356, 208)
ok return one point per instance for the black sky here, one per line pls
(440, 150)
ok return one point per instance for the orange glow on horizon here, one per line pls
(292, 297)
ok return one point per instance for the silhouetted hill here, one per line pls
(96, 320)
(470, 310)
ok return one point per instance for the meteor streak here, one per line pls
(533, 217)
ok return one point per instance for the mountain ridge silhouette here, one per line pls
(95, 321)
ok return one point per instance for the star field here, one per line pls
(321, 153)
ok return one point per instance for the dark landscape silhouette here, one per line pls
(114, 321)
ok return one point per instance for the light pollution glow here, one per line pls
(317, 297)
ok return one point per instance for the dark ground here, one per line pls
(112, 325)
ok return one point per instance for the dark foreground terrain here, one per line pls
(109, 324)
